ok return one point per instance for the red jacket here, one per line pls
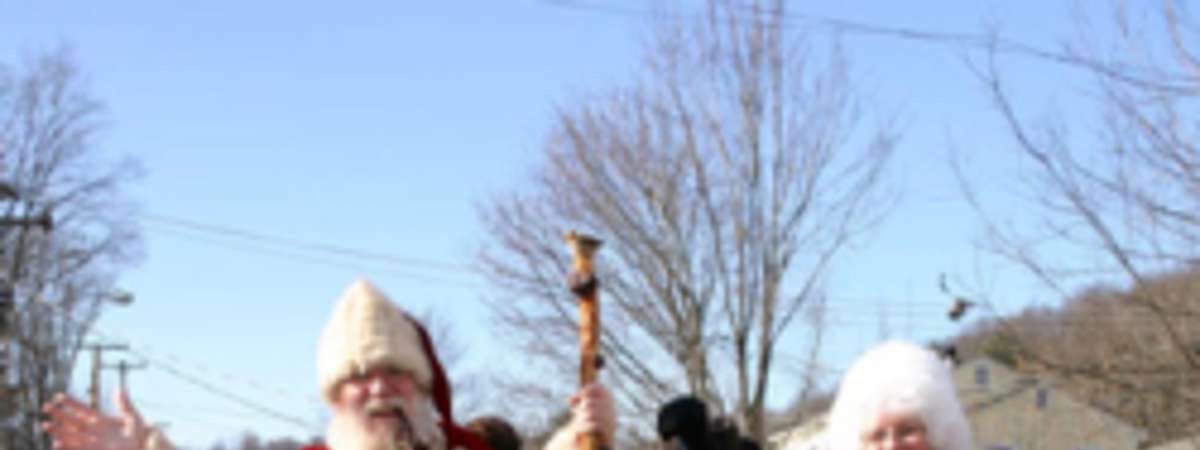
(456, 438)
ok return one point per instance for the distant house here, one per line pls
(1010, 411)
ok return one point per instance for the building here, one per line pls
(1010, 411)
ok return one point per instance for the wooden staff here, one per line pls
(583, 284)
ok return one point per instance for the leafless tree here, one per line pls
(1118, 208)
(724, 182)
(49, 124)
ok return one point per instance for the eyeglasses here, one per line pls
(901, 432)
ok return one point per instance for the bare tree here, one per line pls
(48, 128)
(724, 183)
(1120, 208)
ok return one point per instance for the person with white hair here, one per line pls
(378, 373)
(898, 396)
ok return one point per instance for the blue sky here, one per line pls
(380, 125)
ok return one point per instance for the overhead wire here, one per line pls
(265, 243)
(195, 410)
(928, 316)
(319, 247)
(225, 420)
(853, 308)
(227, 395)
(171, 370)
(225, 376)
(845, 310)
(973, 40)
(258, 247)
(431, 264)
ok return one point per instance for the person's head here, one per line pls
(898, 396)
(375, 371)
(683, 424)
(497, 432)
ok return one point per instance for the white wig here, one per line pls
(904, 378)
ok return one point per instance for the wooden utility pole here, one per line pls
(123, 367)
(97, 364)
(8, 404)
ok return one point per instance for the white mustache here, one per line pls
(406, 431)
(378, 405)
(417, 426)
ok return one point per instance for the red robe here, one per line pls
(457, 438)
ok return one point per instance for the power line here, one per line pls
(261, 243)
(225, 376)
(189, 379)
(235, 421)
(978, 41)
(212, 389)
(260, 248)
(196, 410)
(319, 247)
(984, 42)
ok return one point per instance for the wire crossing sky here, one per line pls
(292, 147)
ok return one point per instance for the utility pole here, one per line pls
(123, 367)
(97, 363)
(8, 406)
(8, 306)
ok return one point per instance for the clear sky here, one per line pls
(380, 125)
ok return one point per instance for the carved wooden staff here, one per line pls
(583, 284)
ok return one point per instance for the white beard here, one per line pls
(349, 432)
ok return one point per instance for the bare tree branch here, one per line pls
(1123, 207)
(724, 183)
(48, 127)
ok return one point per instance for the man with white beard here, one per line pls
(378, 373)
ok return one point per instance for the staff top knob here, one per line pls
(582, 245)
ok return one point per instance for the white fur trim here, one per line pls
(365, 331)
(904, 377)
